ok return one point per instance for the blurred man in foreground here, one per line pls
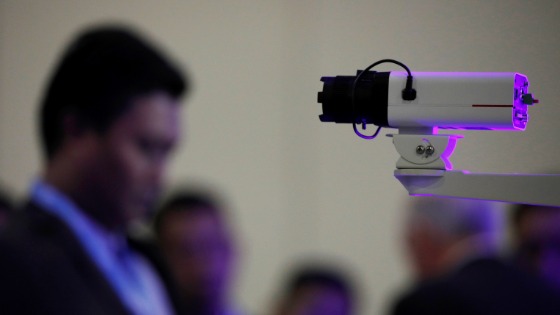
(453, 246)
(108, 123)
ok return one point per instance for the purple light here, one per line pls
(460, 75)
(448, 152)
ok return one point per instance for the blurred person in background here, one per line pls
(109, 121)
(194, 233)
(6, 208)
(453, 246)
(315, 289)
(536, 240)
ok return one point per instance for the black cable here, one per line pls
(408, 93)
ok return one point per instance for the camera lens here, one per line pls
(370, 99)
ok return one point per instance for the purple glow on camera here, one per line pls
(460, 75)
(449, 151)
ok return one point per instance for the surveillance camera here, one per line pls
(448, 100)
(418, 103)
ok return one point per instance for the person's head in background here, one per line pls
(109, 121)
(317, 290)
(536, 240)
(6, 208)
(440, 233)
(195, 236)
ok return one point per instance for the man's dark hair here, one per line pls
(187, 201)
(520, 212)
(97, 78)
(322, 276)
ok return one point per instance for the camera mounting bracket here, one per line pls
(424, 169)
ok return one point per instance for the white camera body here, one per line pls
(460, 100)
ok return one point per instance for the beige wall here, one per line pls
(298, 187)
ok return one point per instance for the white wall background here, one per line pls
(298, 187)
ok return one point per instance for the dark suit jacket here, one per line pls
(483, 286)
(45, 270)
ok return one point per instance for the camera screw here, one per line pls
(430, 150)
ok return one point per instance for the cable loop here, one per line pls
(358, 78)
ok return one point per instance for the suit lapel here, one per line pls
(84, 274)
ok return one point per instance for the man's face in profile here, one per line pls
(128, 161)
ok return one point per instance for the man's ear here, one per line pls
(77, 137)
